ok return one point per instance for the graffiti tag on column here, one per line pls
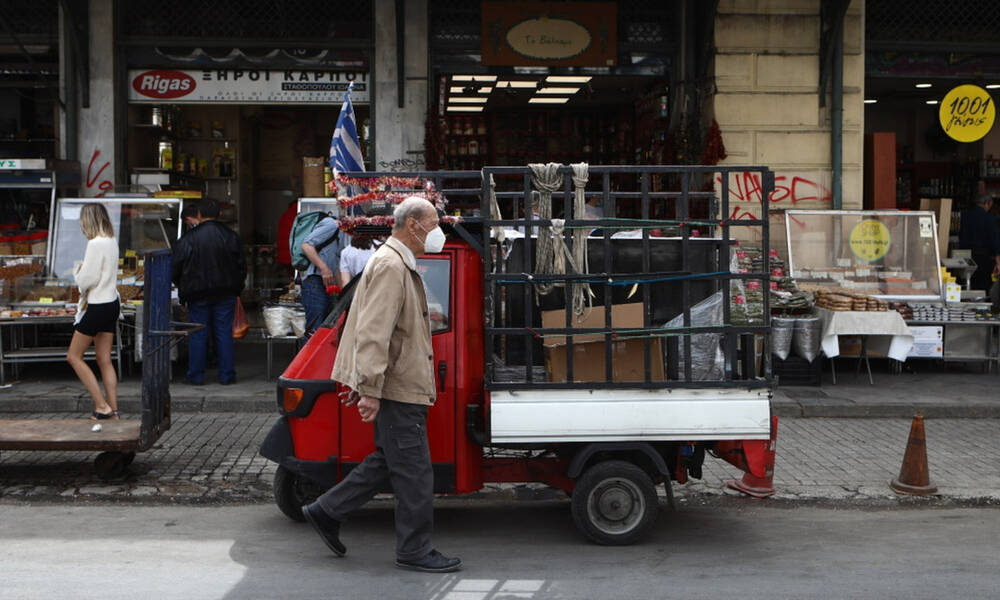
(746, 187)
(92, 177)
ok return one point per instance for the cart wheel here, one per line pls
(112, 465)
(292, 492)
(129, 457)
(615, 503)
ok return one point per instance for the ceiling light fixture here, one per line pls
(465, 109)
(931, 102)
(548, 100)
(517, 84)
(568, 78)
(485, 90)
(922, 85)
(993, 86)
(467, 100)
(558, 90)
(871, 101)
(455, 89)
(483, 78)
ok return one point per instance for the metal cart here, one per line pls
(118, 441)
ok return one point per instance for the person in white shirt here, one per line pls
(98, 310)
(354, 258)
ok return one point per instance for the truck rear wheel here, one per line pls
(292, 492)
(614, 503)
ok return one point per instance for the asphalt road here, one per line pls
(526, 550)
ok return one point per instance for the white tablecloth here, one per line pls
(888, 332)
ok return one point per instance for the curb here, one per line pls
(841, 410)
(132, 405)
(265, 404)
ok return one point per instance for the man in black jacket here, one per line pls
(209, 272)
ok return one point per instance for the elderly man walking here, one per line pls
(386, 359)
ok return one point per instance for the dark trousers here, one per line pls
(316, 302)
(982, 279)
(402, 457)
(217, 317)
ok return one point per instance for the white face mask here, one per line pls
(434, 242)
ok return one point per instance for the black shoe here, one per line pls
(193, 382)
(327, 527)
(434, 562)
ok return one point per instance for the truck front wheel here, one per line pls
(614, 503)
(292, 491)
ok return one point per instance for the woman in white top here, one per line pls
(354, 258)
(97, 316)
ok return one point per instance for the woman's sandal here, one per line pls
(99, 416)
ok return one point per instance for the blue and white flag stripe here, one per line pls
(345, 150)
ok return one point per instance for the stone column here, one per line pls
(399, 132)
(96, 147)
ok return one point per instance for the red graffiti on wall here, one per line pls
(747, 187)
(92, 178)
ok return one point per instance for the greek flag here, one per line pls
(345, 150)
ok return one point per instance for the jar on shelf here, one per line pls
(473, 147)
(165, 154)
(481, 126)
(468, 127)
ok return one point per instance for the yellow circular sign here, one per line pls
(967, 113)
(870, 240)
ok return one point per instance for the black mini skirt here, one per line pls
(99, 318)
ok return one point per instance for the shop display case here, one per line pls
(328, 205)
(891, 255)
(140, 224)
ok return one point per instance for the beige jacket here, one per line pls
(385, 350)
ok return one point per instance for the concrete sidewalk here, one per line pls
(936, 390)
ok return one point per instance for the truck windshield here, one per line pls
(436, 274)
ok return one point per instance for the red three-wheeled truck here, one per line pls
(591, 376)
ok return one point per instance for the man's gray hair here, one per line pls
(415, 207)
(982, 199)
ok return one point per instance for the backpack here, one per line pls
(301, 228)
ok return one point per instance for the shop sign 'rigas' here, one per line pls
(246, 86)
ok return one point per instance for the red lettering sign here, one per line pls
(163, 84)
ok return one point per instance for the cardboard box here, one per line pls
(589, 350)
(312, 176)
(942, 207)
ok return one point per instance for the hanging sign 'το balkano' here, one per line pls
(967, 113)
(579, 34)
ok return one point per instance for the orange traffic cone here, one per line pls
(760, 487)
(913, 475)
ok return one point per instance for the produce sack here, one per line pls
(807, 336)
(297, 319)
(782, 330)
(277, 320)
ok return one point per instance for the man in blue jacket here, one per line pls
(979, 234)
(209, 271)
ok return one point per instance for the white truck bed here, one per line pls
(629, 415)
